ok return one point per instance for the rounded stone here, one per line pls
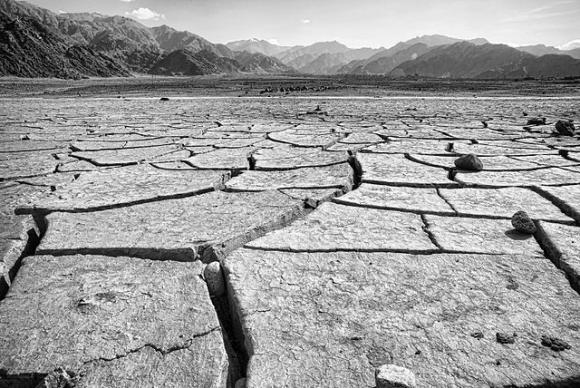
(565, 127)
(469, 162)
(393, 376)
(523, 223)
(214, 278)
(241, 383)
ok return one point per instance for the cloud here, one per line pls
(570, 45)
(305, 21)
(541, 13)
(127, 1)
(272, 41)
(145, 14)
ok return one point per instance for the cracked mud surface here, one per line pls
(347, 241)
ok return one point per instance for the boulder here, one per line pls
(565, 127)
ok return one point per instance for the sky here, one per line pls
(356, 23)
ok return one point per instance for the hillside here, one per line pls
(322, 57)
(380, 64)
(466, 60)
(35, 42)
(257, 63)
(541, 49)
(384, 65)
(186, 62)
(170, 39)
(257, 46)
(28, 48)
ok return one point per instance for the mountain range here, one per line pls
(35, 42)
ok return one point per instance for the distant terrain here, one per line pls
(279, 87)
(35, 42)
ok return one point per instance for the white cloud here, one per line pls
(305, 21)
(570, 45)
(528, 17)
(273, 41)
(540, 12)
(145, 14)
(127, 1)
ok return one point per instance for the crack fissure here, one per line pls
(440, 194)
(429, 233)
(373, 250)
(156, 348)
(160, 198)
(554, 254)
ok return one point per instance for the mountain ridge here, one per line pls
(488, 61)
(36, 42)
(116, 45)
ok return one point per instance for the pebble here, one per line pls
(469, 162)
(241, 383)
(477, 334)
(393, 376)
(523, 223)
(537, 121)
(554, 343)
(215, 279)
(504, 338)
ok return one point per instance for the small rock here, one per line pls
(59, 378)
(24, 137)
(554, 343)
(164, 99)
(477, 334)
(241, 383)
(215, 279)
(469, 162)
(316, 111)
(484, 123)
(525, 113)
(565, 127)
(537, 121)
(504, 338)
(523, 223)
(393, 376)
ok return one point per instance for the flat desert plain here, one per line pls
(342, 234)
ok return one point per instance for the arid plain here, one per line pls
(346, 239)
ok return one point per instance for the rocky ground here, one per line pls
(283, 86)
(345, 235)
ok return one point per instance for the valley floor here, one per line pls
(290, 86)
(344, 236)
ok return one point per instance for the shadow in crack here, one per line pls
(571, 382)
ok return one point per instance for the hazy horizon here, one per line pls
(355, 24)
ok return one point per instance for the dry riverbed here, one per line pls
(346, 237)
